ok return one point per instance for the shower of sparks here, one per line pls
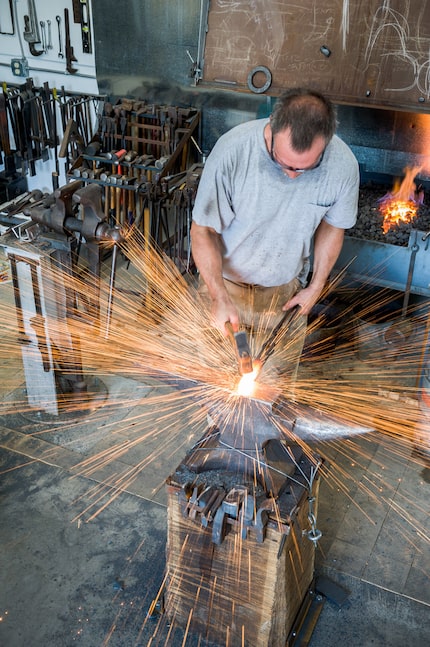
(246, 386)
(158, 338)
(401, 204)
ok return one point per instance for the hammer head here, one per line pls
(241, 346)
(243, 353)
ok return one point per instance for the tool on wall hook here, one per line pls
(60, 40)
(31, 29)
(49, 43)
(70, 55)
(85, 27)
(43, 32)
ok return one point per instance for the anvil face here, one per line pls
(260, 436)
(247, 423)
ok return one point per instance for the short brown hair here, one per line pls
(307, 113)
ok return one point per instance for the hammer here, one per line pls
(241, 346)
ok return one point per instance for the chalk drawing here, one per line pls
(285, 35)
(260, 21)
(410, 50)
(318, 20)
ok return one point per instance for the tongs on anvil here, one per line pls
(270, 344)
(241, 346)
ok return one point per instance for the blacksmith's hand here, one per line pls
(224, 310)
(306, 299)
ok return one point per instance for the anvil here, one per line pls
(260, 436)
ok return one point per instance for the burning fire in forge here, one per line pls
(401, 204)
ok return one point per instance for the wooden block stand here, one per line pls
(241, 591)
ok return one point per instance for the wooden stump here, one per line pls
(240, 591)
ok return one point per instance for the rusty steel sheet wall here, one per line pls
(141, 52)
(148, 39)
(359, 52)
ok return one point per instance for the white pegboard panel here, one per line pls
(45, 61)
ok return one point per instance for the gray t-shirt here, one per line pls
(266, 219)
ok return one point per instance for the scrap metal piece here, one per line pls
(267, 82)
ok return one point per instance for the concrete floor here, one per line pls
(67, 578)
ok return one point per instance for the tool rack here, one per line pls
(145, 141)
(145, 159)
(33, 120)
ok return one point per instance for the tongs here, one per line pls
(278, 331)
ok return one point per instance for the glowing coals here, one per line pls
(401, 204)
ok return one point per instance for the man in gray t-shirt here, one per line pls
(270, 190)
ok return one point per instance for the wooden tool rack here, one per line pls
(144, 159)
(152, 145)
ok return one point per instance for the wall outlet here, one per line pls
(20, 67)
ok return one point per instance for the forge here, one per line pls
(397, 258)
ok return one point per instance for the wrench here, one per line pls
(31, 31)
(60, 51)
(43, 32)
(49, 44)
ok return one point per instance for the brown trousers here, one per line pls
(260, 309)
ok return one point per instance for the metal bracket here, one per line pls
(198, 64)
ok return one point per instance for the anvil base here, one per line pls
(239, 563)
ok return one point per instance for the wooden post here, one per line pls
(240, 591)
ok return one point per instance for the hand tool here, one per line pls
(145, 160)
(44, 38)
(241, 346)
(46, 117)
(81, 16)
(31, 29)
(93, 149)
(4, 130)
(131, 215)
(71, 136)
(414, 249)
(60, 39)
(270, 344)
(104, 176)
(49, 43)
(130, 157)
(70, 56)
(116, 156)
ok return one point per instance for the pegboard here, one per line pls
(358, 52)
